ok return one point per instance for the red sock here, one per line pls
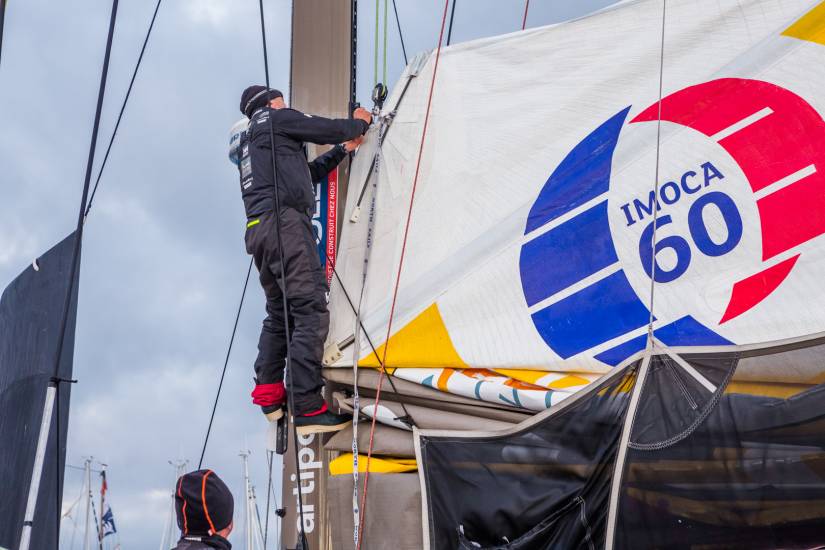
(322, 410)
(267, 395)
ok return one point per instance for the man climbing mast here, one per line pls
(305, 284)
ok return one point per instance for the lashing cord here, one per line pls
(398, 275)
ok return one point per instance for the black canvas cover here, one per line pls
(31, 313)
(545, 486)
(711, 463)
(722, 469)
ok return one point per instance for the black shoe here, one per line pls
(320, 423)
(273, 413)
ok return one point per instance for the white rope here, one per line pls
(356, 347)
(642, 371)
(651, 341)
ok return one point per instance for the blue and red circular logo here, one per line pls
(741, 189)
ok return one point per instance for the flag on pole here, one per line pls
(107, 520)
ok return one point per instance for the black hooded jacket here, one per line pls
(295, 176)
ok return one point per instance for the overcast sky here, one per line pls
(163, 255)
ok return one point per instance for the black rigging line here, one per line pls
(225, 363)
(290, 392)
(122, 107)
(452, 16)
(407, 418)
(2, 20)
(75, 268)
(400, 34)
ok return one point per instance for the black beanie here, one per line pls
(203, 503)
(255, 97)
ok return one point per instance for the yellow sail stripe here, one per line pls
(423, 342)
(810, 27)
(560, 381)
(767, 389)
(378, 465)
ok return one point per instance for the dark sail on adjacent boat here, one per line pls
(31, 317)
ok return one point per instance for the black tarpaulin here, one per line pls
(689, 458)
(735, 471)
(541, 487)
(31, 313)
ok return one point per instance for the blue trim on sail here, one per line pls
(598, 313)
(556, 260)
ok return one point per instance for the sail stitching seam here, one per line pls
(714, 400)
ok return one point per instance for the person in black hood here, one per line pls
(204, 507)
(274, 127)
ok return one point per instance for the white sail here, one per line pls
(532, 207)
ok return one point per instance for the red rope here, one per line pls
(398, 279)
(524, 20)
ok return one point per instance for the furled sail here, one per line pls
(619, 218)
(528, 245)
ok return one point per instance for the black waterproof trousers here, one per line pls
(306, 289)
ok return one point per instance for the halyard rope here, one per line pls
(356, 347)
(289, 378)
(375, 45)
(398, 275)
(384, 74)
(450, 26)
(400, 34)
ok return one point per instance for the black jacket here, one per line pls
(291, 129)
(203, 543)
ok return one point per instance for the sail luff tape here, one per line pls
(357, 512)
(418, 63)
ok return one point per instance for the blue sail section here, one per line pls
(598, 313)
(584, 174)
(555, 260)
(685, 331)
